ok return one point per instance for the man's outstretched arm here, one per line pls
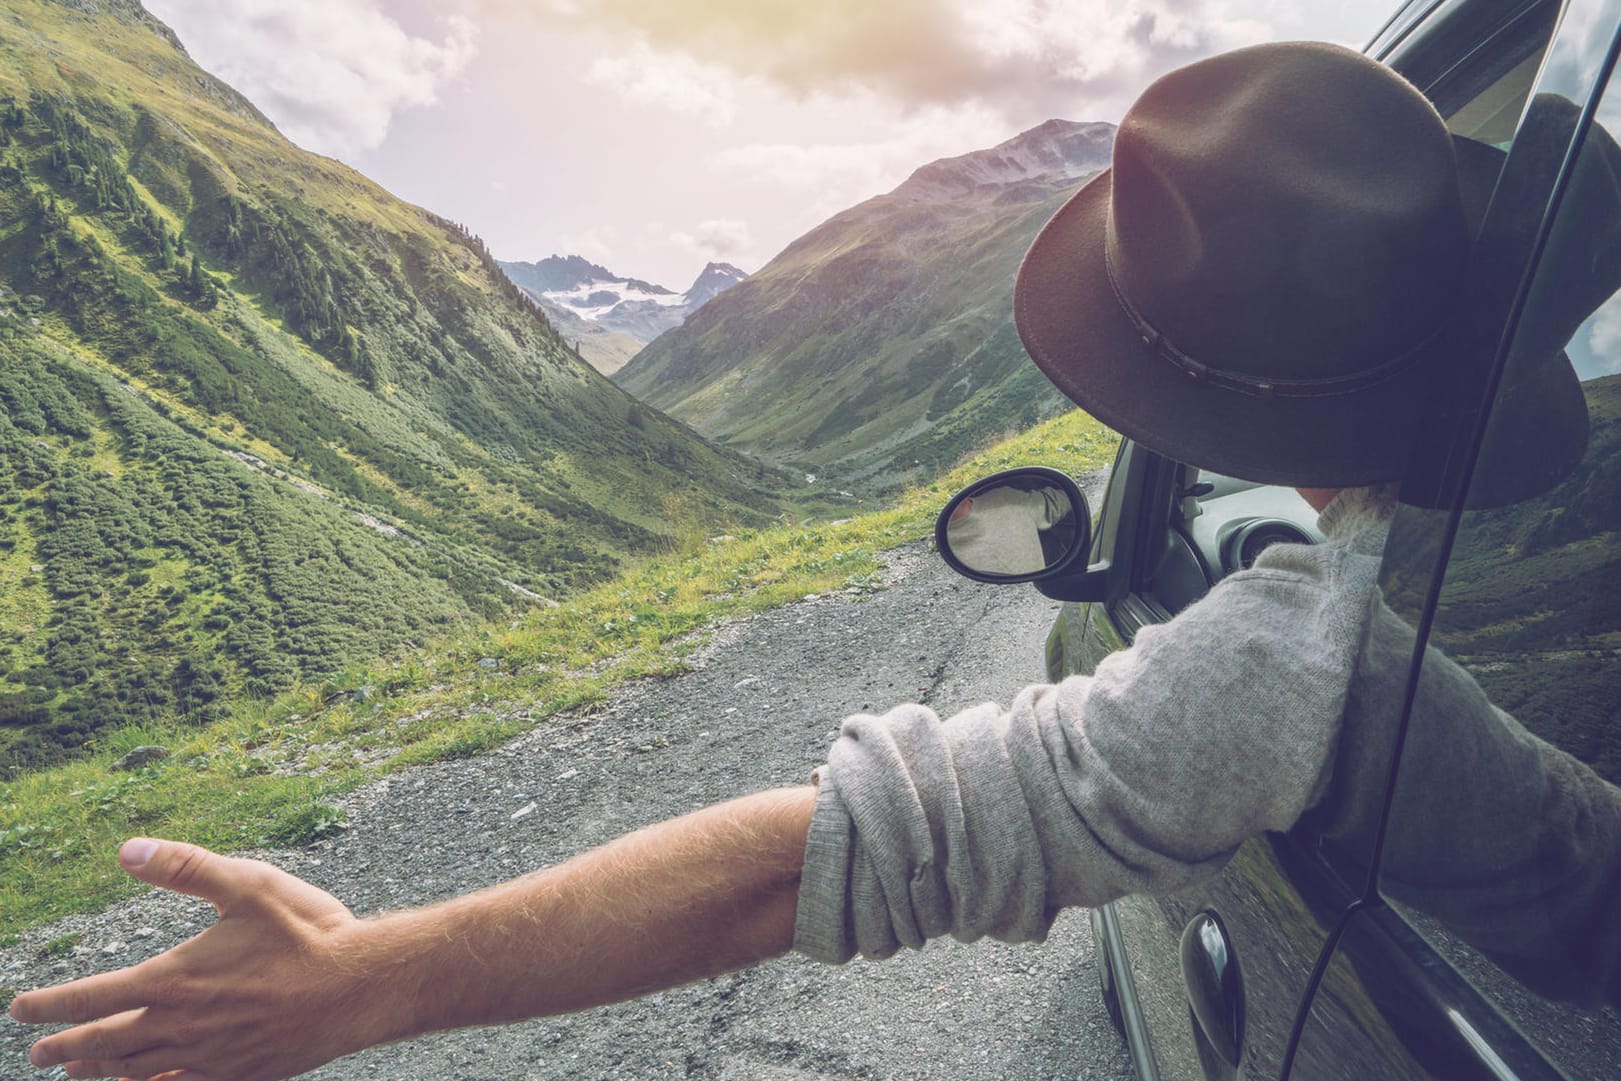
(288, 979)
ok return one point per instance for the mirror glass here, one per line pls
(1012, 526)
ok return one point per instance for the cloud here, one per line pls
(1604, 341)
(596, 243)
(330, 73)
(1031, 58)
(832, 176)
(719, 240)
(671, 80)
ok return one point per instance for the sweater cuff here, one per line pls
(822, 931)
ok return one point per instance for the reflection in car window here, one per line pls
(1492, 114)
(1477, 60)
(1505, 837)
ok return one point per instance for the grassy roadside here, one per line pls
(261, 776)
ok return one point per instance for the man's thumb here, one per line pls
(180, 867)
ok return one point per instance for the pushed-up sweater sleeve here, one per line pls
(1143, 777)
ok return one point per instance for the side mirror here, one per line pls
(1022, 525)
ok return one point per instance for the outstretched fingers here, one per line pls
(89, 999)
(123, 1045)
(137, 1044)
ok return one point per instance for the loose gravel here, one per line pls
(758, 709)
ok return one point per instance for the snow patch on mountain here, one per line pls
(593, 300)
(630, 306)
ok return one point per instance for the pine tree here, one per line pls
(201, 285)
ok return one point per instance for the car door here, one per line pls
(1159, 531)
(1211, 981)
(1488, 945)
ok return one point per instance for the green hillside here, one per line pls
(260, 417)
(879, 347)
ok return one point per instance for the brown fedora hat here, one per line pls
(1258, 284)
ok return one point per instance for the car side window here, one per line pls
(1504, 840)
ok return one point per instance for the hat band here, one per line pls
(1249, 385)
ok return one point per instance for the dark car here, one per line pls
(1458, 937)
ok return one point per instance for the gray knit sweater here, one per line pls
(1274, 697)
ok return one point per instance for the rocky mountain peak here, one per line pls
(714, 279)
(1055, 150)
(558, 273)
(585, 299)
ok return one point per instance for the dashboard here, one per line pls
(1218, 525)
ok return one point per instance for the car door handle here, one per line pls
(1215, 989)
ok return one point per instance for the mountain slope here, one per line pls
(602, 313)
(605, 349)
(261, 416)
(880, 345)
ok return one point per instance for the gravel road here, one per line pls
(759, 709)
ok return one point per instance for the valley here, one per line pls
(271, 433)
(609, 319)
(263, 419)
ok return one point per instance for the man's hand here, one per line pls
(267, 992)
(288, 979)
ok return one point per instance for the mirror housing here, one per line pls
(1091, 583)
(1021, 525)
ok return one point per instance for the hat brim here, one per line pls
(1073, 328)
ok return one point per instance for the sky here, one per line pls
(654, 136)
